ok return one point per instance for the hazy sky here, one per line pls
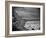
(27, 12)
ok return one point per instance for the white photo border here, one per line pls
(24, 32)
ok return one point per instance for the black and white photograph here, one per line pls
(25, 18)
